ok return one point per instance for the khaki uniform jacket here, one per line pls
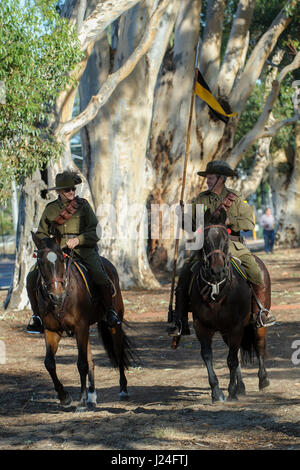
(82, 224)
(241, 217)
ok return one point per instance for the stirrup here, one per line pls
(269, 321)
(112, 318)
(175, 330)
(38, 329)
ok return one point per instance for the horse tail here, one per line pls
(249, 345)
(118, 346)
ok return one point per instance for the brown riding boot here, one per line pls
(261, 316)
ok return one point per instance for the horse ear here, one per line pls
(53, 230)
(223, 215)
(207, 215)
(37, 241)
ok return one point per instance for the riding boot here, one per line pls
(180, 326)
(261, 316)
(111, 317)
(35, 324)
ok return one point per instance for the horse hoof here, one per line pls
(81, 408)
(92, 399)
(123, 396)
(220, 397)
(235, 398)
(263, 384)
(66, 402)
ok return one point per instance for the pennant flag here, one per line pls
(203, 91)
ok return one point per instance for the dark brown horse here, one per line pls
(221, 301)
(66, 305)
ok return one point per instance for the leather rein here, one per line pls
(63, 280)
(215, 287)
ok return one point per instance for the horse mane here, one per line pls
(215, 218)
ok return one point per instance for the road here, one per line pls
(6, 271)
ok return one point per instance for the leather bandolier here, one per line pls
(68, 211)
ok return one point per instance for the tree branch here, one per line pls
(235, 50)
(259, 130)
(71, 127)
(257, 59)
(273, 130)
(211, 41)
(103, 15)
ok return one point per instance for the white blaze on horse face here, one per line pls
(52, 257)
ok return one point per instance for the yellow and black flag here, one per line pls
(203, 91)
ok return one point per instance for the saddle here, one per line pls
(89, 283)
(85, 276)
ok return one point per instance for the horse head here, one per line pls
(215, 247)
(51, 265)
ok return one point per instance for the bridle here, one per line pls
(215, 286)
(57, 301)
(215, 251)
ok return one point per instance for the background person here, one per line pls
(267, 222)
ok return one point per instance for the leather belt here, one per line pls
(236, 238)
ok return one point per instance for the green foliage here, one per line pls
(264, 13)
(38, 51)
(6, 222)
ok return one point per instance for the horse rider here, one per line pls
(239, 217)
(77, 225)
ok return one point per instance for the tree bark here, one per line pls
(120, 174)
(30, 210)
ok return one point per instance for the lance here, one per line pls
(187, 150)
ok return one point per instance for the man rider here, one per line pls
(78, 233)
(239, 217)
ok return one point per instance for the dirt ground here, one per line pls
(170, 405)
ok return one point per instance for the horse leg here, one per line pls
(82, 338)
(240, 386)
(92, 394)
(205, 338)
(233, 364)
(119, 340)
(261, 352)
(52, 340)
(123, 394)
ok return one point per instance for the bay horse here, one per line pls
(221, 300)
(67, 306)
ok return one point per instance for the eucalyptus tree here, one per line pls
(136, 74)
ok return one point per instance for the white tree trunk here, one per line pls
(288, 201)
(119, 174)
(29, 216)
(169, 125)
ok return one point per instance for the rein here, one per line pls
(63, 280)
(215, 286)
